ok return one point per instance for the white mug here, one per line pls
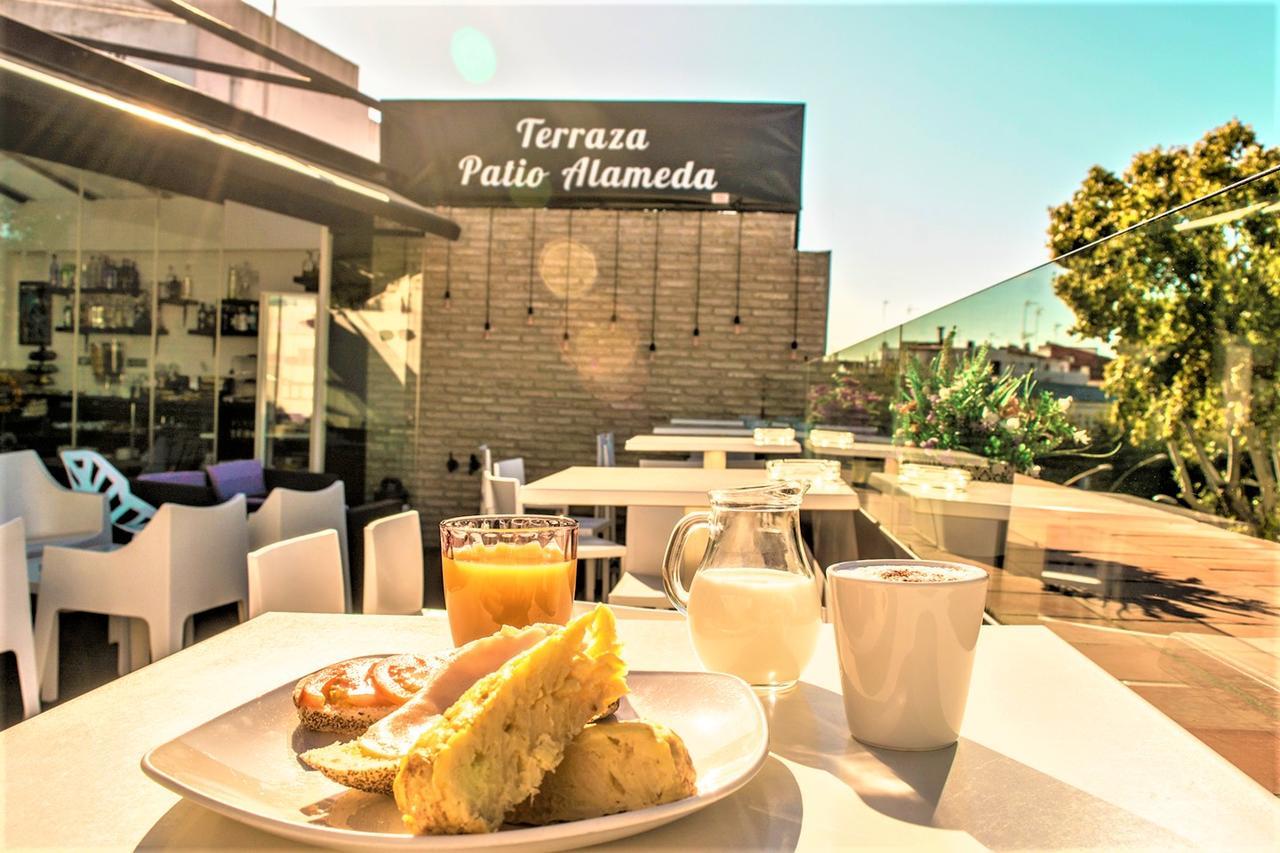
(905, 647)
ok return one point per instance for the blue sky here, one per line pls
(936, 135)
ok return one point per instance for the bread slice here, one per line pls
(348, 764)
(491, 749)
(343, 719)
(611, 768)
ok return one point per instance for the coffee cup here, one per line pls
(906, 632)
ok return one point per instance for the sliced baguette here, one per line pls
(348, 764)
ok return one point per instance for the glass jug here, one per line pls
(753, 604)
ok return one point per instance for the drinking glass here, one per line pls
(507, 570)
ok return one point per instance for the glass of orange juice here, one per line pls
(507, 570)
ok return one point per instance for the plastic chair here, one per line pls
(15, 613)
(299, 575)
(53, 515)
(486, 470)
(290, 513)
(510, 468)
(514, 469)
(188, 559)
(89, 471)
(648, 529)
(393, 564)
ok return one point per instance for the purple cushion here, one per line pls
(181, 478)
(241, 477)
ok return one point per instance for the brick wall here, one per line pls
(524, 395)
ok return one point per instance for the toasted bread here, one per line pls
(610, 768)
(491, 749)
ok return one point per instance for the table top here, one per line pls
(887, 450)
(623, 486)
(1053, 753)
(704, 443)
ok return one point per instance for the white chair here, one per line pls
(53, 515)
(486, 468)
(299, 575)
(393, 564)
(606, 457)
(187, 559)
(648, 529)
(514, 469)
(15, 613)
(289, 513)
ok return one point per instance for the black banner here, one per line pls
(596, 154)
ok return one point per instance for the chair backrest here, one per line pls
(238, 477)
(15, 598)
(177, 478)
(393, 564)
(486, 471)
(647, 531)
(27, 489)
(300, 575)
(506, 495)
(510, 468)
(289, 513)
(89, 471)
(206, 547)
(606, 450)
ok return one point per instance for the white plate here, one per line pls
(244, 765)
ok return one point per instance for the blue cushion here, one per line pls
(241, 477)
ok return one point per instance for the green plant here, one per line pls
(845, 400)
(1191, 306)
(966, 406)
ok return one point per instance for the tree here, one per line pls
(1191, 305)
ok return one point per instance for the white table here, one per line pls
(584, 485)
(1054, 754)
(714, 448)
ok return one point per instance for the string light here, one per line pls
(617, 244)
(568, 282)
(653, 305)
(795, 309)
(533, 259)
(697, 285)
(737, 292)
(488, 277)
(448, 275)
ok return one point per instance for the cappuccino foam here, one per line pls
(916, 573)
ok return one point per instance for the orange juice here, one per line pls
(488, 586)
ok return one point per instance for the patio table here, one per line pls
(715, 449)
(1054, 753)
(584, 485)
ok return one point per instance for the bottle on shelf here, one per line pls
(185, 288)
(55, 271)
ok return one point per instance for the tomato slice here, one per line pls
(398, 677)
(313, 690)
(351, 685)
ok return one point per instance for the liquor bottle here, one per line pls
(55, 271)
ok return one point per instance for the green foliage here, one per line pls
(1191, 306)
(845, 400)
(966, 406)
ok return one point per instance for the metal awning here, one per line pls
(62, 102)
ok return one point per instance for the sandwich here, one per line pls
(491, 749)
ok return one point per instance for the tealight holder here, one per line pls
(832, 438)
(773, 435)
(813, 471)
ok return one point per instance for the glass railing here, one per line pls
(1103, 433)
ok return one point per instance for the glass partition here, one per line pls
(129, 321)
(1112, 424)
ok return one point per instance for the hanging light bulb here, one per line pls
(564, 343)
(529, 319)
(737, 324)
(697, 334)
(448, 300)
(613, 322)
(488, 330)
(795, 349)
(653, 350)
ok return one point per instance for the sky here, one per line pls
(936, 136)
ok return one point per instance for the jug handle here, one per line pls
(673, 560)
